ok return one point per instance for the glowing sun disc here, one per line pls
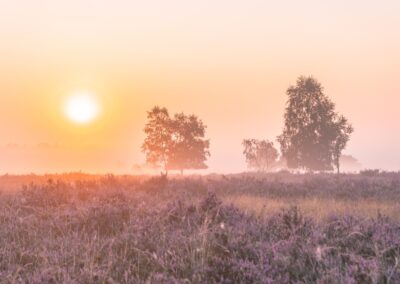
(82, 108)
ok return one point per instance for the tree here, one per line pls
(343, 132)
(189, 148)
(158, 141)
(314, 134)
(260, 154)
(175, 143)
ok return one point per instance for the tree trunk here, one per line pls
(181, 172)
(338, 165)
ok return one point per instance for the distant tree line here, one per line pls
(313, 137)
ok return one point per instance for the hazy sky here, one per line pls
(228, 61)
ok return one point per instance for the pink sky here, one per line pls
(229, 62)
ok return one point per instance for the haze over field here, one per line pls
(229, 62)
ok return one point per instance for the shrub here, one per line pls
(370, 172)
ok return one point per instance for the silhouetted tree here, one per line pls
(158, 141)
(343, 132)
(189, 149)
(314, 134)
(175, 143)
(260, 154)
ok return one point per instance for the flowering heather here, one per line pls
(139, 230)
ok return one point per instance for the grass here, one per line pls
(249, 228)
(318, 208)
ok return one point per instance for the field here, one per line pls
(248, 228)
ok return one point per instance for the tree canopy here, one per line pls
(260, 154)
(175, 143)
(314, 135)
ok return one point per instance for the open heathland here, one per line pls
(247, 228)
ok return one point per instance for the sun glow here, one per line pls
(82, 108)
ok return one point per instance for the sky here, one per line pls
(227, 61)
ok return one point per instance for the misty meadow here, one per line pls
(187, 141)
(293, 219)
(248, 228)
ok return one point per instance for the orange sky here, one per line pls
(229, 62)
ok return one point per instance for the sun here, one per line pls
(82, 107)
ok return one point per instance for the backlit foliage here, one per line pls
(175, 143)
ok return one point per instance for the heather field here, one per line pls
(248, 228)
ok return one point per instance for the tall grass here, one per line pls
(213, 229)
